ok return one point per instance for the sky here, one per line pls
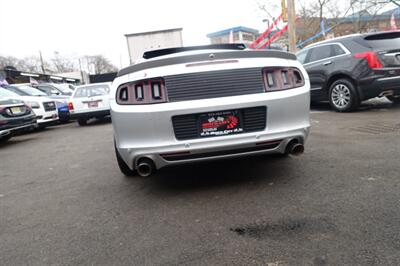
(87, 27)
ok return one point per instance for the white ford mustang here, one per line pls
(190, 104)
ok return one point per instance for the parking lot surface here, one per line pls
(63, 201)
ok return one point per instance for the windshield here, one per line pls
(31, 91)
(90, 91)
(6, 93)
(16, 90)
(64, 88)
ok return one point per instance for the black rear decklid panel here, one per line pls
(204, 56)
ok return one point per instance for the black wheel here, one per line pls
(343, 96)
(393, 99)
(64, 119)
(82, 121)
(122, 165)
(41, 127)
(5, 138)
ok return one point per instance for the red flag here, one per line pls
(274, 37)
(33, 81)
(265, 33)
(3, 81)
(393, 25)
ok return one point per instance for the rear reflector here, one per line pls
(269, 142)
(174, 154)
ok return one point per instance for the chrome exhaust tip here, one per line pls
(297, 149)
(294, 148)
(145, 167)
(386, 93)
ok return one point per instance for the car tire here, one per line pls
(343, 96)
(82, 121)
(395, 100)
(123, 167)
(5, 138)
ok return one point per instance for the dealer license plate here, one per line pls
(220, 123)
(16, 110)
(93, 104)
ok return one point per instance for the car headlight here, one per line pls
(33, 105)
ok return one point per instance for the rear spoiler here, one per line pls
(206, 57)
(167, 51)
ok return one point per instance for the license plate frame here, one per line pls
(16, 110)
(220, 123)
(94, 104)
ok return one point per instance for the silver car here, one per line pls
(191, 104)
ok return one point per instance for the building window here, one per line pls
(248, 37)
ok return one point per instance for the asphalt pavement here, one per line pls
(63, 200)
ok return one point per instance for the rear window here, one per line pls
(337, 50)
(319, 53)
(383, 40)
(91, 91)
(5, 93)
(31, 91)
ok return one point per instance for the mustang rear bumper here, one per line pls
(147, 131)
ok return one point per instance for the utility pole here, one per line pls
(41, 62)
(394, 2)
(291, 25)
(80, 68)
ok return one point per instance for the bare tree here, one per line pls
(61, 64)
(30, 64)
(100, 64)
(313, 12)
(8, 61)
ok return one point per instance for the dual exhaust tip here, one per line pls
(146, 166)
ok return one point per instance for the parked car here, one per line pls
(65, 87)
(15, 116)
(90, 101)
(191, 104)
(60, 100)
(44, 108)
(53, 89)
(354, 68)
(58, 96)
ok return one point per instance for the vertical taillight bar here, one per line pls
(142, 92)
(282, 78)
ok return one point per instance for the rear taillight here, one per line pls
(142, 92)
(282, 78)
(70, 106)
(372, 59)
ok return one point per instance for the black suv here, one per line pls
(354, 68)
